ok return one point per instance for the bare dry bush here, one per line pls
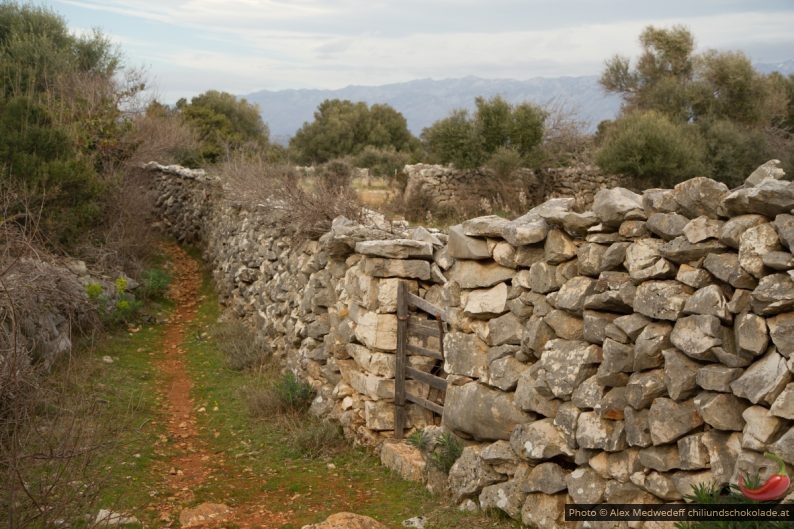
(304, 206)
(162, 138)
(565, 136)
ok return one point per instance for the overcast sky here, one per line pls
(240, 46)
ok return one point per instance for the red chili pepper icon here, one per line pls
(775, 486)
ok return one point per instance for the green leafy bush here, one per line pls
(648, 145)
(448, 449)
(154, 284)
(707, 494)
(382, 161)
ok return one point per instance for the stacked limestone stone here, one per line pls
(618, 355)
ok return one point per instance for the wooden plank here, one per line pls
(421, 351)
(426, 404)
(429, 329)
(421, 304)
(426, 378)
(401, 361)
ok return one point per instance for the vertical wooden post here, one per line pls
(399, 372)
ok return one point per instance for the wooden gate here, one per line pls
(408, 327)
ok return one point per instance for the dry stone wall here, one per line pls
(621, 354)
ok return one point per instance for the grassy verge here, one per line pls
(264, 452)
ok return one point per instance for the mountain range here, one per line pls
(424, 101)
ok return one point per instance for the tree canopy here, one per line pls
(224, 123)
(469, 141)
(342, 127)
(736, 113)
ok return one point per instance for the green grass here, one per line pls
(310, 490)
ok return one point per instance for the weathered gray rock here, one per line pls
(644, 260)
(633, 229)
(568, 364)
(481, 412)
(594, 329)
(504, 254)
(559, 247)
(585, 486)
(733, 229)
(774, 294)
(618, 492)
(670, 420)
(668, 226)
(663, 300)
(406, 268)
(658, 484)
(638, 432)
(722, 411)
(469, 475)
(697, 335)
(751, 333)
(644, 387)
(726, 267)
(536, 334)
(633, 324)
(784, 403)
(693, 454)
(528, 255)
(462, 246)
(573, 293)
(539, 440)
(769, 198)
(680, 374)
(780, 261)
(545, 477)
(565, 325)
(693, 277)
(487, 226)
(528, 229)
(659, 200)
(700, 197)
(618, 360)
(472, 274)
(377, 331)
(760, 428)
(544, 511)
(680, 250)
(763, 381)
(661, 458)
(406, 460)
(784, 447)
(506, 496)
(506, 329)
(588, 394)
(504, 373)
(709, 300)
(770, 169)
(485, 303)
(396, 249)
(702, 228)
(465, 354)
(614, 256)
(598, 433)
(566, 420)
(781, 330)
(784, 224)
(685, 481)
(573, 223)
(612, 405)
(753, 244)
(589, 257)
(543, 278)
(717, 377)
(612, 205)
(532, 393)
(724, 449)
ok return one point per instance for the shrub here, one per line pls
(154, 284)
(448, 450)
(239, 346)
(734, 151)
(649, 145)
(277, 396)
(311, 437)
(382, 161)
(504, 162)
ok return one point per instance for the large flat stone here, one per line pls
(396, 249)
(481, 412)
(472, 274)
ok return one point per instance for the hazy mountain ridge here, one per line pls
(424, 101)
